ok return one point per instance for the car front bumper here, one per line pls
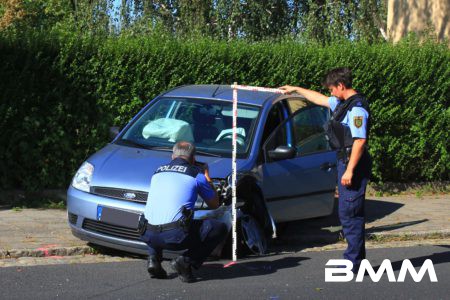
(82, 219)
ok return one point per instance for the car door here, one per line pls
(302, 186)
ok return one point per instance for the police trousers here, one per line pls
(351, 209)
(199, 240)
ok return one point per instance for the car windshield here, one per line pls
(206, 123)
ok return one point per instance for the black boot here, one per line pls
(182, 266)
(155, 269)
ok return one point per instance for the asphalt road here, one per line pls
(284, 276)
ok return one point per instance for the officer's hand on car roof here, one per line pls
(289, 88)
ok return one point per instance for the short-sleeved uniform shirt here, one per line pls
(356, 118)
(173, 187)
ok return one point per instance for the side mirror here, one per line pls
(282, 152)
(113, 132)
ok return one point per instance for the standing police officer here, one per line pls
(169, 214)
(348, 130)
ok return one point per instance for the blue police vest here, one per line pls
(339, 136)
(173, 187)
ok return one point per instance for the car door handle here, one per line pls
(327, 165)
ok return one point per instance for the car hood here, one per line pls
(131, 168)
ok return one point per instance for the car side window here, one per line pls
(309, 130)
(274, 119)
(296, 104)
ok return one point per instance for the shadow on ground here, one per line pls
(436, 258)
(98, 249)
(247, 269)
(297, 235)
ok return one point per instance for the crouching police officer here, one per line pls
(169, 215)
(348, 130)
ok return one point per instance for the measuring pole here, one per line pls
(258, 89)
(233, 176)
(235, 88)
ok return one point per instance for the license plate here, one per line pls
(118, 217)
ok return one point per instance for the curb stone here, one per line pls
(60, 251)
(410, 235)
(313, 239)
(82, 250)
(378, 236)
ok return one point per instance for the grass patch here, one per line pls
(40, 203)
(413, 188)
(419, 194)
(379, 238)
(55, 205)
(379, 194)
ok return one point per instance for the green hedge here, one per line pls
(60, 94)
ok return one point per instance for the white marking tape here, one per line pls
(258, 89)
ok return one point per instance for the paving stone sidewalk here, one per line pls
(395, 218)
(44, 232)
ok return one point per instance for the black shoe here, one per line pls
(155, 269)
(183, 268)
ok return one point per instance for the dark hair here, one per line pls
(185, 150)
(338, 75)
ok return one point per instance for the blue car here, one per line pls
(286, 169)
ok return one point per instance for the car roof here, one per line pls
(220, 92)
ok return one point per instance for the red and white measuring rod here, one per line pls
(257, 89)
(235, 88)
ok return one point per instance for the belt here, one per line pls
(164, 227)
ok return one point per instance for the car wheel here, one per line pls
(251, 235)
(251, 239)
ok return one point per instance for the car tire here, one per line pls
(248, 230)
(251, 237)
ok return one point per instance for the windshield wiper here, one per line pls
(162, 148)
(207, 153)
(132, 143)
(166, 148)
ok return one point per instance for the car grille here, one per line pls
(113, 230)
(72, 218)
(139, 196)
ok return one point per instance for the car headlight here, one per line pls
(82, 179)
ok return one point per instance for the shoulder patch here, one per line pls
(358, 121)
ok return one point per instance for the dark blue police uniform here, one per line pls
(351, 119)
(174, 188)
